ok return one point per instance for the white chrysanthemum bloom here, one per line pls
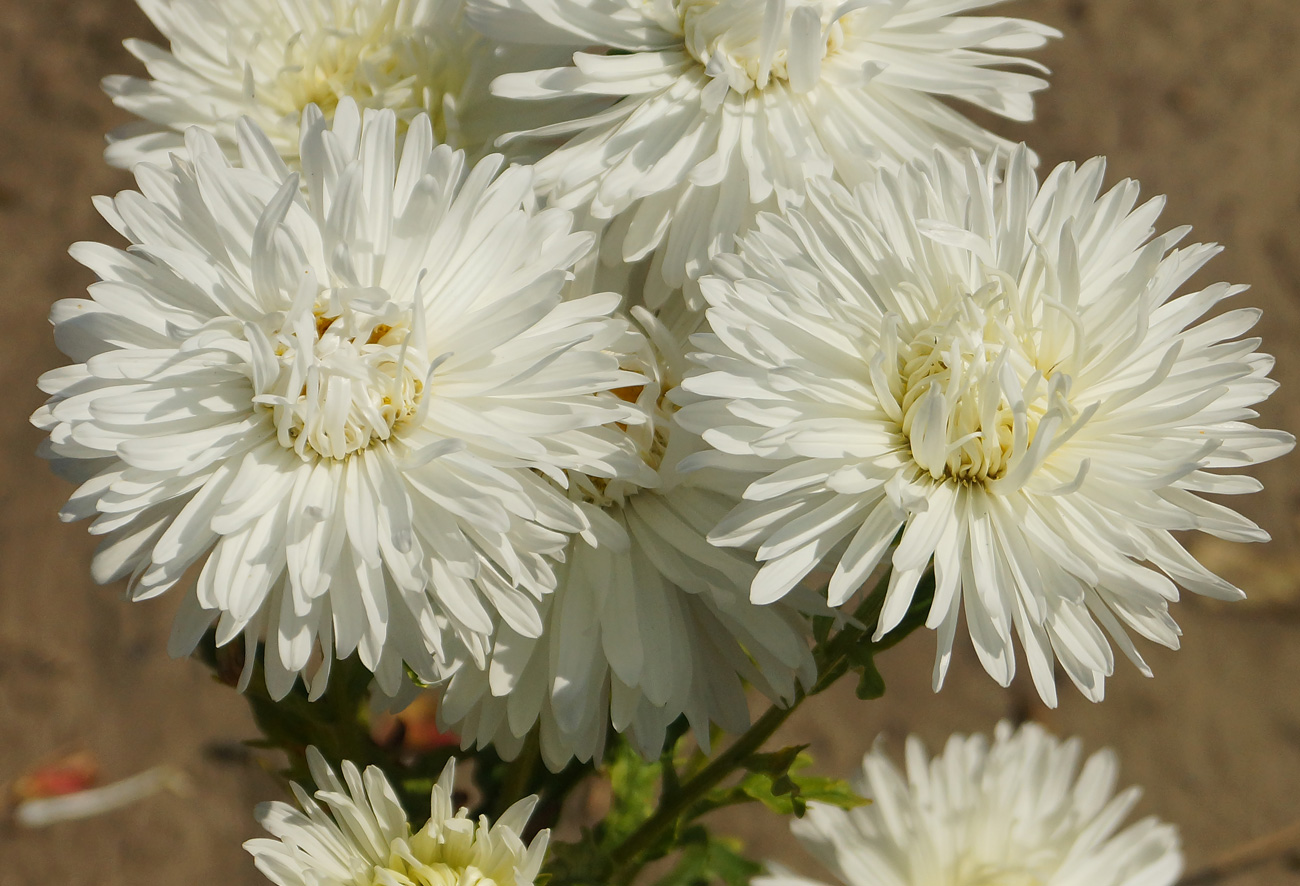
(269, 59)
(723, 108)
(353, 403)
(1019, 813)
(355, 833)
(648, 622)
(1004, 375)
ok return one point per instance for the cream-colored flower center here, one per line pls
(381, 64)
(444, 853)
(409, 873)
(996, 875)
(749, 44)
(968, 381)
(347, 376)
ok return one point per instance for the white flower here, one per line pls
(1002, 374)
(269, 59)
(1019, 813)
(344, 400)
(355, 833)
(648, 622)
(722, 108)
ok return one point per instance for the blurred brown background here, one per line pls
(1198, 99)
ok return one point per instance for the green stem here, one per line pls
(694, 789)
(833, 661)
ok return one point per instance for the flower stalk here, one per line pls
(849, 648)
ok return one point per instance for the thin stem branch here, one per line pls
(694, 789)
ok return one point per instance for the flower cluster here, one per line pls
(593, 435)
(365, 387)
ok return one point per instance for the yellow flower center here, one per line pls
(407, 873)
(443, 854)
(347, 377)
(967, 381)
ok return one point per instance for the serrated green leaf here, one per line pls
(832, 791)
(788, 792)
(758, 786)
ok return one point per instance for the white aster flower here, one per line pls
(1004, 375)
(355, 833)
(648, 622)
(722, 108)
(341, 399)
(1019, 813)
(269, 59)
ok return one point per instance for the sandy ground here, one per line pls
(1198, 99)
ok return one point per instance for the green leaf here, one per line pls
(634, 784)
(707, 860)
(783, 798)
(584, 862)
(774, 762)
(785, 791)
(775, 780)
